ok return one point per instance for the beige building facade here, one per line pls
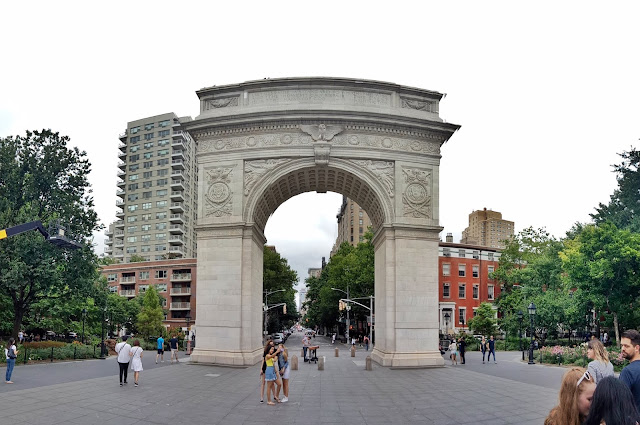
(487, 228)
(353, 222)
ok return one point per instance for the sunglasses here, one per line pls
(586, 376)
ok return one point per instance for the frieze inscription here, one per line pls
(341, 97)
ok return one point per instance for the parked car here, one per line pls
(278, 338)
(72, 335)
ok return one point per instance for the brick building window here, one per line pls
(445, 290)
(462, 270)
(462, 290)
(446, 269)
(490, 292)
(476, 271)
(476, 292)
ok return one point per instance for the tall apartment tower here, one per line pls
(157, 190)
(487, 228)
(353, 222)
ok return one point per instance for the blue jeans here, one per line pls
(10, 364)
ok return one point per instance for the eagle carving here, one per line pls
(322, 132)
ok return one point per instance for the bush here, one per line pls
(43, 344)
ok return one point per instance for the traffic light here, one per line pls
(284, 309)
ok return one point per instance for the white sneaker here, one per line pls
(284, 399)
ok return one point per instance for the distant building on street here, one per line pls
(487, 228)
(353, 222)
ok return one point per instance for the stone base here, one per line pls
(226, 358)
(408, 360)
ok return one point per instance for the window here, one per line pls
(147, 155)
(163, 172)
(164, 123)
(134, 157)
(163, 152)
(113, 289)
(132, 229)
(161, 287)
(476, 255)
(462, 253)
(131, 208)
(462, 290)
(162, 182)
(361, 214)
(446, 269)
(361, 238)
(148, 145)
(446, 252)
(112, 277)
(131, 250)
(161, 226)
(146, 238)
(475, 271)
(146, 217)
(134, 139)
(163, 161)
(145, 248)
(146, 195)
(161, 204)
(133, 149)
(134, 167)
(144, 275)
(360, 222)
(147, 174)
(161, 215)
(146, 205)
(490, 256)
(149, 126)
(161, 274)
(132, 239)
(163, 142)
(135, 129)
(163, 133)
(162, 192)
(146, 227)
(490, 292)
(132, 197)
(133, 186)
(462, 270)
(445, 290)
(132, 219)
(462, 315)
(161, 248)
(490, 269)
(148, 136)
(160, 236)
(476, 292)
(147, 184)
(142, 289)
(133, 177)
(148, 164)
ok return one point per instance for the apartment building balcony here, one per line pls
(130, 293)
(180, 291)
(176, 229)
(121, 174)
(177, 184)
(177, 196)
(177, 207)
(118, 254)
(123, 147)
(180, 306)
(177, 164)
(118, 244)
(108, 250)
(177, 174)
(122, 165)
(120, 204)
(121, 183)
(176, 218)
(177, 251)
(178, 134)
(119, 224)
(177, 154)
(123, 136)
(178, 143)
(108, 232)
(123, 155)
(176, 239)
(127, 280)
(180, 277)
(109, 241)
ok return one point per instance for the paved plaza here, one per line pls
(509, 392)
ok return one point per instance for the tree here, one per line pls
(42, 179)
(135, 258)
(150, 317)
(623, 209)
(277, 275)
(484, 322)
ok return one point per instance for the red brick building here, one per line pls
(464, 282)
(175, 281)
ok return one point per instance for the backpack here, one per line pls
(11, 354)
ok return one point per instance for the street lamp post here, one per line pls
(447, 316)
(266, 308)
(188, 318)
(532, 316)
(84, 315)
(104, 318)
(520, 332)
(346, 332)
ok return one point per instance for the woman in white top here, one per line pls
(600, 367)
(453, 347)
(136, 360)
(11, 352)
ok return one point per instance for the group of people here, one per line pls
(594, 396)
(458, 348)
(133, 354)
(275, 370)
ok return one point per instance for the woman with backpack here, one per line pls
(11, 352)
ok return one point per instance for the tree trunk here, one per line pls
(17, 322)
(615, 327)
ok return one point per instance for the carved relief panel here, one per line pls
(218, 195)
(417, 194)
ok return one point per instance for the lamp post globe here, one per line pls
(532, 316)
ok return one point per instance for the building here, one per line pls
(464, 282)
(175, 281)
(157, 188)
(487, 228)
(353, 222)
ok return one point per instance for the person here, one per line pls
(575, 396)
(483, 347)
(136, 361)
(333, 338)
(353, 342)
(612, 403)
(270, 373)
(11, 353)
(492, 349)
(305, 346)
(123, 349)
(173, 344)
(21, 337)
(630, 375)
(462, 345)
(267, 347)
(453, 348)
(285, 372)
(366, 343)
(160, 350)
(600, 366)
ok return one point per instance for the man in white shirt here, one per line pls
(123, 349)
(305, 346)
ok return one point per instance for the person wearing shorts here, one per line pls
(173, 344)
(160, 350)
(285, 370)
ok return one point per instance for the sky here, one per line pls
(547, 93)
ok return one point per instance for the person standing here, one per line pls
(630, 375)
(270, 373)
(173, 344)
(462, 345)
(333, 338)
(612, 403)
(123, 349)
(492, 349)
(11, 353)
(600, 366)
(160, 350)
(366, 343)
(305, 346)
(483, 347)
(136, 361)
(453, 348)
(21, 337)
(574, 399)
(285, 371)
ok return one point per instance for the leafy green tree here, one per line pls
(150, 317)
(484, 322)
(277, 275)
(135, 258)
(42, 179)
(622, 210)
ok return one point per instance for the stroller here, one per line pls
(313, 354)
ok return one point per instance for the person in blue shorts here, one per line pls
(160, 350)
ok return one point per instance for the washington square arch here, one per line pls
(263, 142)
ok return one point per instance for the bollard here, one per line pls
(294, 362)
(337, 352)
(51, 354)
(367, 364)
(321, 363)
(353, 351)
(75, 347)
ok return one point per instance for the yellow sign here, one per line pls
(3, 234)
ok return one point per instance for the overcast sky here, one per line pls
(547, 93)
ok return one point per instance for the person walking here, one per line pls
(11, 353)
(173, 344)
(160, 349)
(575, 396)
(462, 345)
(453, 348)
(333, 338)
(483, 347)
(600, 366)
(492, 349)
(366, 343)
(123, 349)
(612, 403)
(630, 375)
(136, 361)
(305, 346)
